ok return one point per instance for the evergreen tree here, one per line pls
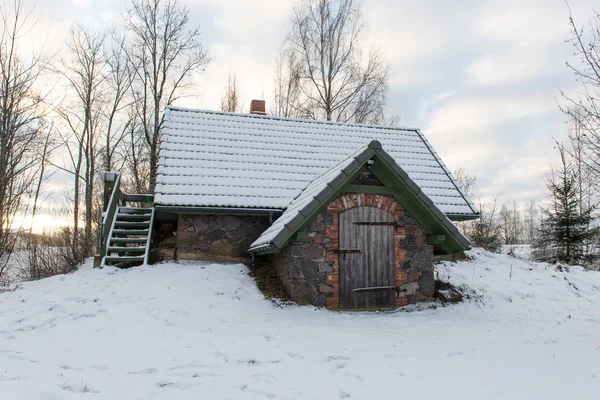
(567, 225)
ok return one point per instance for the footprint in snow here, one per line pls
(189, 366)
(263, 378)
(253, 361)
(65, 366)
(146, 371)
(20, 358)
(98, 367)
(292, 354)
(337, 358)
(82, 388)
(177, 385)
(354, 376)
(245, 388)
(10, 378)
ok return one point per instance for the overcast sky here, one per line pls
(481, 78)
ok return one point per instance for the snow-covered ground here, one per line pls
(522, 251)
(191, 331)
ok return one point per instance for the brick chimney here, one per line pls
(258, 107)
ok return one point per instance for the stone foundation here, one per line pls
(301, 265)
(222, 238)
(309, 267)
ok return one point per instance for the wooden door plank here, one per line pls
(374, 265)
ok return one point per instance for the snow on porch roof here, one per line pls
(217, 159)
(320, 191)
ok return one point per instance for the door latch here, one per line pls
(374, 289)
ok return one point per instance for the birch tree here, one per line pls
(336, 84)
(164, 51)
(531, 222)
(118, 79)
(84, 73)
(583, 107)
(231, 101)
(287, 86)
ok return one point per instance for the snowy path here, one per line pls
(198, 332)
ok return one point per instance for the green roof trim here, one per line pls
(317, 196)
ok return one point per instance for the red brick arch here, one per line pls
(346, 202)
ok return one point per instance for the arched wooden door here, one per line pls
(366, 245)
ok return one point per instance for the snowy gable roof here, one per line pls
(320, 191)
(216, 159)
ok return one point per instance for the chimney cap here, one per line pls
(258, 107)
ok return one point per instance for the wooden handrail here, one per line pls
(147, 254)
(109, 214)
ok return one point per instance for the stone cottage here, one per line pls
(350, 216)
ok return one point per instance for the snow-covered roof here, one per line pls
(217, 159)
(317, 194)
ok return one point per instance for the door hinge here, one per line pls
(374, 289)
(347, 250)
(392, 223)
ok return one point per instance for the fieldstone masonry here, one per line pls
(217, 237)
(309, 268)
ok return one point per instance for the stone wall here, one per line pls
(302, 267)
(309, 268)
(223, 238)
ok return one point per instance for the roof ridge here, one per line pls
(280, 156)
(293, 138)
(303, 120)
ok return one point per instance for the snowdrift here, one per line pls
(193, 331)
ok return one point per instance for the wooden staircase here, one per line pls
(128, 242)
(126, 231)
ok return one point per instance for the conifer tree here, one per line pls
(567, 224)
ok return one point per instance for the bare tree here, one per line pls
(164, 54)
(511, 223)
(531, 222)
(230, 101)
(118, 78)
(287, 86)
(135, 155)
(44, 153)
(335, 85)
(584, 106)
(21, 122)
(466, 181)
(82, 116)
(485, 231)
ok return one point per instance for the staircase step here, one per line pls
(124, 259)
(135, 210)
(133, 217)
(132, 232)
(128, 240)
(126, 224)
(120, 249)
(127, 244)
